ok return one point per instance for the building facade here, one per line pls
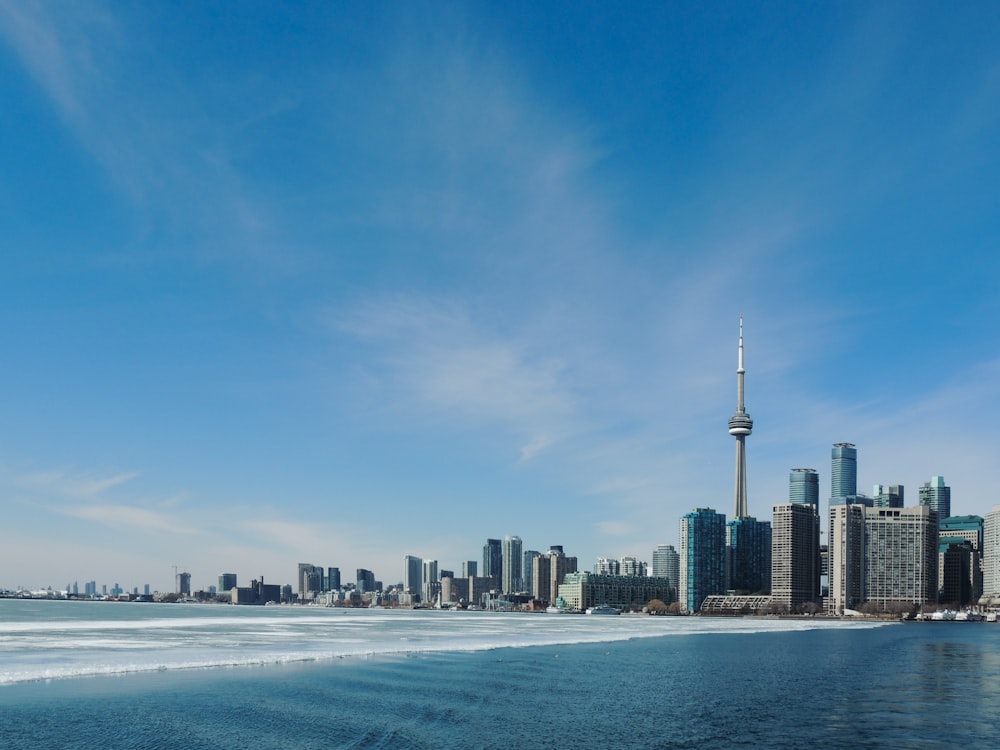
(581, 591)
(844, 470)
(413, 574)
(748, 556)
(901, 556)
(803, 487)
(887, 496)
(703, 557)
(493, 560)
(991, 557)
(795, 555)
(667, 564)
(511, 562)
(936, 495)
(846, 554)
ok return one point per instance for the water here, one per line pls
(140, 676)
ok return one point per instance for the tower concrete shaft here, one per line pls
(740, 425)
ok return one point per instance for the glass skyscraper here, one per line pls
(936, 495)
(703, 557)
(748, 555)
(844, 470)
(803, 487)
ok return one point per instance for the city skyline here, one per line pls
(327, 285)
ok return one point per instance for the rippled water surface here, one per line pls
(439, 679)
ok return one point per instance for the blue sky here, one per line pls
(344, 282)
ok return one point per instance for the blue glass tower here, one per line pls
(803, 487)
(703, 557)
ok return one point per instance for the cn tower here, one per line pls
(740, 425)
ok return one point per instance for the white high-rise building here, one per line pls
(607, 566)
(846, 547)
(430, 584)
(991, 555)
(901, 556)
(632, 566)
(512, 559)
(667, 564)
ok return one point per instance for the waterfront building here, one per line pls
(227, 582)
(803, 487)
(740, 427)
(583, 590)
(549, 571)
(480, 588)
(748, 556)
(703, 557)
(413, 573)
(955, 561)
(901, 556)
(955, 529)
(257, 593)
(430, 585)
(183, 584)
(493, 559)
(667, 564)
(511, 564)
(991, 557)
(844, 470)
(887, 496)
(470, 568)
(795, 556)
(846, 550)
(936, 495)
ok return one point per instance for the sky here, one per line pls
(337, 283)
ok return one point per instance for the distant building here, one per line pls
(632, 566)
(795, 556)
(510, 582)
(844, 470)
(430, 584)
(493, 559)
(257, 593)
(470, 569)
(803, 487)
(310, 581)
(703, 557)
(991, 557)
(936, 495)
(333, 579)
(666, 564)
(413, 572)
(955, 562)
(583, 590)
(365, 581)
(183, 584)
(227, 581)
(887, 496)
(607, 566)
(528, 569)
(549, 571)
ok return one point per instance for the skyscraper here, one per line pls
(844, 471)
(470, 569)
(901, 556)
(991, 555)
(748, 555)
(795, 555)
(956, 530)
(846, 556)
(703, 557)
(936, 495)
(227, 581)
(493, 559)
(511, 562)
(413, 574)
(803, 487)
(528, 569)
(666, 564)
(740, 425)
(430, 583)
(887, 496)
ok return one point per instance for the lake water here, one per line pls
(107, 675)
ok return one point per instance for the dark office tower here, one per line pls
(470, 569)
(365, 581)
(748, 555)
(803, 487)
(936, 495)
(844, 470)
(493, 559)
(333, 579)
(227, 582)
(887, 496)
(740, 426)
(184, 584)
